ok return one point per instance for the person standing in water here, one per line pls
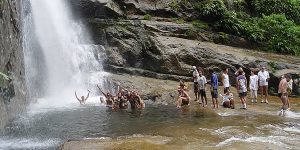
(202, 83)
(225, 80)
(195, 80)
(263, 79)
(253, 86)
(109, 98)
(82, 99)
(241, 86)
(214, 88)
(135, 100)
(283, 93)
(290, 90)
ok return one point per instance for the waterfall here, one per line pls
(59, 58)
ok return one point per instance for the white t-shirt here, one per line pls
(226, 80)
(202, 81)
(290, 84)
(263, 76)
(195, 75)
(253, 82)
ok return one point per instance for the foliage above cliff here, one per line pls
(274, 25)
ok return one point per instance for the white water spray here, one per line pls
(67, 62)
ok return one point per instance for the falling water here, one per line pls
(58, 56)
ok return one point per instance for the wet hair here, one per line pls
(288, 76)
(181, 83)
(240, 72)
(201, 69)
(225, 69)
(210, 70)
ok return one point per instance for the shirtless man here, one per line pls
(108, 96)
(83, 99)
(283, 85)
(136, 101)
(122, 99)
(183, 99)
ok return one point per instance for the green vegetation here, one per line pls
(3, 77)
(200, 25)
(175, 5)
(147, 17)
(273, 66)
(272, 25)
(180, 21)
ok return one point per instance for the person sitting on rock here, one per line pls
(109, 97)
(228, 101)
(83, 99)
(184, 98)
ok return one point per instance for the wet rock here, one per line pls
(97, 8)
(12, 92)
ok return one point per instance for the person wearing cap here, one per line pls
(263, 79)
(195, 80)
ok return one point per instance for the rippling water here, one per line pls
(190, 128)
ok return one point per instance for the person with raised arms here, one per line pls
(195, 80)
(109, 97)
(82, 99)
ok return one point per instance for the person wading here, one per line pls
(82, 99)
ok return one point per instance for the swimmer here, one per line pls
(83, 99)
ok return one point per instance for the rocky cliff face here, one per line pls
(12, 92)
(163, 48)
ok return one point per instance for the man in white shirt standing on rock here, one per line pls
(225, 80)
(253, 86)
(195, 80)
(263, 79)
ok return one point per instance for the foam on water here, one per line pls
(294, 115)
(292, 129)
(27, 143)
(275, 140)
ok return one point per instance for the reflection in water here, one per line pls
(191, 128)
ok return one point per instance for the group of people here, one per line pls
(120, 100)
(256, 82)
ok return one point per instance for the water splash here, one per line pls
(59, 58)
